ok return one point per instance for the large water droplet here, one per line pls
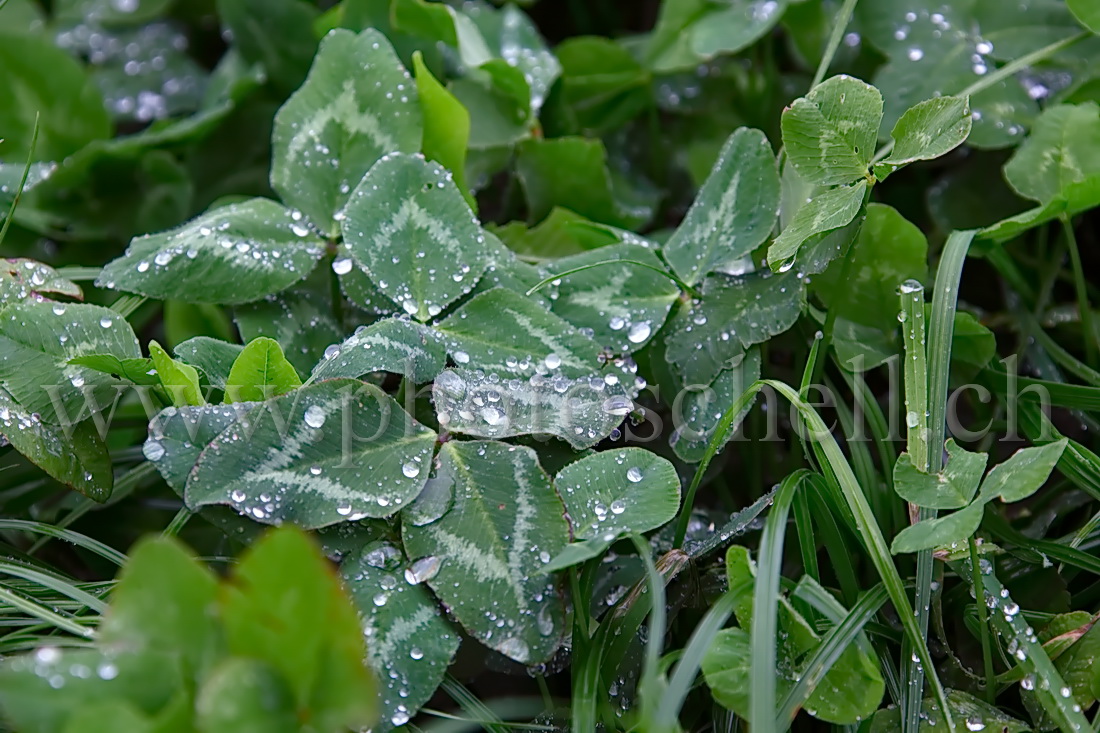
(423, 570)
(315, 416)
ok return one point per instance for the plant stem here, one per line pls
(983, 623)
(936, 369)
(26, 174)
(1003, 73)
(1087, 323)
(843, 16)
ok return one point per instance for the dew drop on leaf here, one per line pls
(315, 416)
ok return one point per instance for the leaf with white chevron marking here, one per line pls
(409, 643)
(357, 104)
(331, 452)
(232, 254)
(492, 548)
(408, 226)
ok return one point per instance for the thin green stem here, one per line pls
(983, 623)
(572, 271)
(78, 274)
(182, 517)
(916, 373)
(1002, 73)
(762, 650)
(23, 180)
(840, 24)
(1087, 323)
(53, 618)
(937, 357)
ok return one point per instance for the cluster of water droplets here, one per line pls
(581, 410)
(143, 73)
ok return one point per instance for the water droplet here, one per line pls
(912, 419)
(638, 332)
(315, 416)
(411, 469)
(618, 405)
(461, 357)
(423, 570)
(916, 54)
(634, 474)
(342, 266)
(416, 653)
(616, 323)
(105, 322)
(618, 506)
(553, 361)
(153, 450)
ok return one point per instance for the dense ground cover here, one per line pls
(657, 366)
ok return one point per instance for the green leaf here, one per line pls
(581, 411)
(180, 380)
(184, 321)
(278, 35)
(139, 371)
(692, 31)
(245, 696)
(446, 127)
(511, 36)
(233, 254)
(392, 345)
(733, 213)
(576, 553)
(37, 340)
(22, 278)
(736, 26)
(951, 488)
(1062, 149)
(327, 453)
(285, 607)
(971, 343)
(862, 288)
(213, 357)
(108, 716)
(51, 86)
(40, 692)
(830, 134)
(409, 643)
(77, 458)
(501, 331)
(408, 226)
(618, 492)
(358, 104)
(302, 320)
(1024, 473)
(937, 49)
(1087, 12)
(572, 172)
(1077, 666)
(826, 212)
(931, 533)
(730, 315)
(493, 546)
(701, 408)
(928, 130)
(163, 602)
(849, 691)
(964, 706)
(356, 285)
(623, 305)
(602, 84)
(260, 372)
(177, 437)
